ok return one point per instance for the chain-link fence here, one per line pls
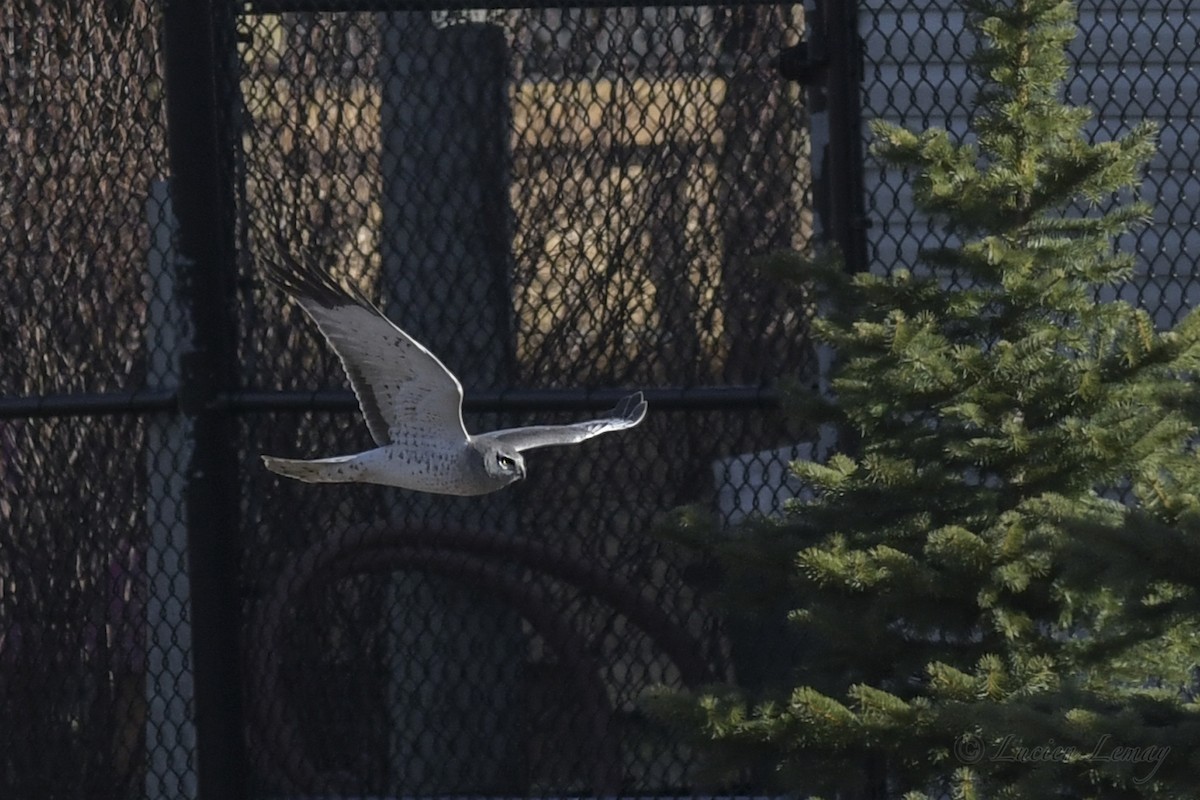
(1129, 62)
(81, 121)
(563, 203)
(557, 200)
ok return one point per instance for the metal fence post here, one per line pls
(845, 131)
(203, 200)
(833, 73)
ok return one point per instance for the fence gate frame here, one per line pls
(201, 65)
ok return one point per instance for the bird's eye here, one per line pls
(504, 461)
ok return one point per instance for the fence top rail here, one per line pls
(266, 401)
(255, 7)
(138, 401)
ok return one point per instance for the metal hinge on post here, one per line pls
(803, 63)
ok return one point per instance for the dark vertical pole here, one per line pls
(844, 193)
(197, 36)
(843, 49)
(846, 204)
(829, 63)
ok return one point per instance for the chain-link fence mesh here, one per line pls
(1129, 62)
(553, 200)
(564, 204)
(81, 121)
(561, 202)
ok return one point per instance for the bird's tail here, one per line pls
(338, 469)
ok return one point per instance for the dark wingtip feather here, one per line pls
(307, 282)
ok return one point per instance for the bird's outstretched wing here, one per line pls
(629, 412)
(404, 391)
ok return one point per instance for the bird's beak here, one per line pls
(520, 472)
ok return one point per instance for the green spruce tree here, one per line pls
(994, 588)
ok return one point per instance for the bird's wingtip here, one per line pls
(632, 408)
(302, 278)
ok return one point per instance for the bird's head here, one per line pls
(502, 463)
